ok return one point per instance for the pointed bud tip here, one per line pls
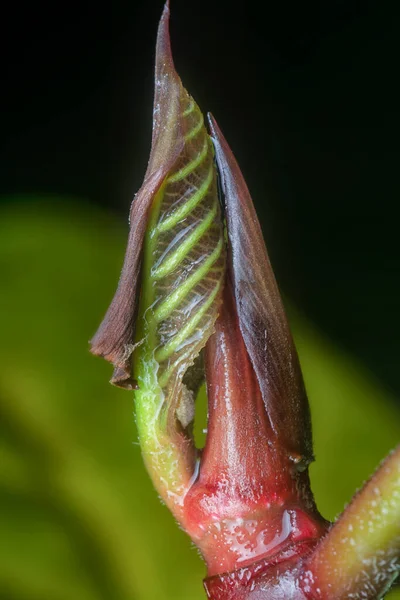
(163, 45)
(165, 12)
(215, 130)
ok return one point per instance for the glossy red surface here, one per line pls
(250, 500)
(274, 579)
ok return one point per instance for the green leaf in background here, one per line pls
(79, 518)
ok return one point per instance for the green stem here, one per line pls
(361, 553)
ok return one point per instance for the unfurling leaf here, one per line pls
(170, 289)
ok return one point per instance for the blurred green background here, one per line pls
(79, 518)
(308, 99)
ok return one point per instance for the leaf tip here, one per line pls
(213, 125)
(163, 45)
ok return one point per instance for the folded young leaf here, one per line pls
(175, 263)
(115, 336)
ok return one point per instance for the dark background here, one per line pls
(307, 95)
